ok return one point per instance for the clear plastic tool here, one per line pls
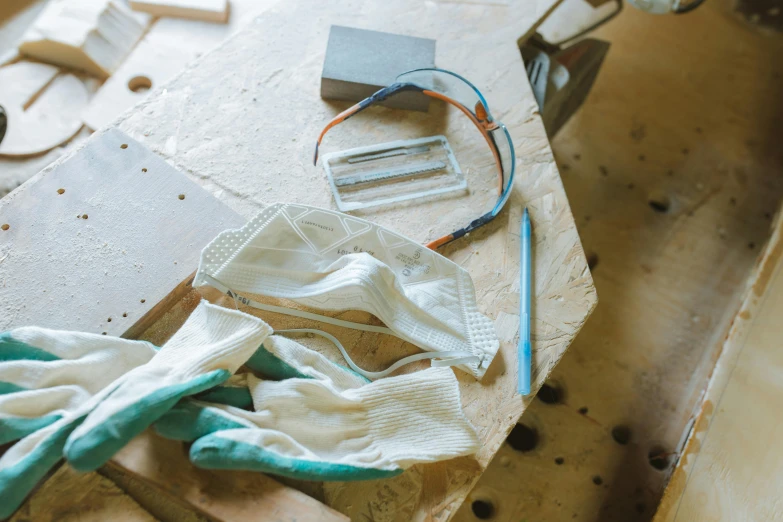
(393, 172)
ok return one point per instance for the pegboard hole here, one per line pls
(659, 458)
(108, 320)
(483, 509)
(104, 333)
(550, 393)
(143, 301)
(140, 84)
(61, 191)
(621, 435)
(181, 196)
(6, 226)
(523, 438)
(597, 480)
(144, 169)
(592, 260)
(124, 146)
(84, 216)
(559, 461)
(583, 410)
(125, 314)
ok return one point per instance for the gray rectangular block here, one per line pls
(360, 62)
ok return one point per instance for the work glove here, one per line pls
(86, 395)
(315, 420)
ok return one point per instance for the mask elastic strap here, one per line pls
(439, 359)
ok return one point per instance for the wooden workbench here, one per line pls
(243, 121)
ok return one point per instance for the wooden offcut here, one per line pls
(89, 35)
(42, 105)
(204, 10)
(103, 241)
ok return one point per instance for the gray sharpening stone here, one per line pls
(360, 62)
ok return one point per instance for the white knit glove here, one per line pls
(323, 422)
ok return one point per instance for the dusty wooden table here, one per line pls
(242, 122)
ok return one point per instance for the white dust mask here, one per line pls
(331, 261)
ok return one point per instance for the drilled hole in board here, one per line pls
(550, 393)
(659, 203)
(124, 146)
(144, 169)
(140, 84)
(61, 191)
(181, 196)
(84, 216)
(583, 410)
(108, 320)
(597, 480)
(621, 435)
(523, 438)
(659, 458)
(6, 226)
(592, 260)
(125, 314)
(559, 461)
(143, 301)
(104, 333)
(483, 509)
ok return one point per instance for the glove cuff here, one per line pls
(418, 417)
(213, 338)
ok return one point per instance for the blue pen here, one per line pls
(523, 350)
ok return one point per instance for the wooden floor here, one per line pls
(674, 169)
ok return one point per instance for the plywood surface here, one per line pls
(218, 495)
(732, 465)
(69, 496)
(685, 114)
(243, 120)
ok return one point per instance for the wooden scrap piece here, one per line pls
(90, 35)
(205, 10)
(164, 50)
(104, 240)
(42, 108)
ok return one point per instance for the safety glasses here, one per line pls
(459, 92)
